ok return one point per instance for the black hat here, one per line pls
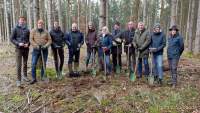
(174, 27)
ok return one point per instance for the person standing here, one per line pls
(174, 51)
(141, 42)
(158, 42)
(128, 36)
(20, 38)
(57, 48)
(40, 39)
(116, 49)
(104, 49)
(74, 40)
(90, 40)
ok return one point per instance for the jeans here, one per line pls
(146, 67)
(35, 57)
(173, 64)
(107, 61)
(158, 66)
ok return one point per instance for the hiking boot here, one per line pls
(18, 83)
(160, 82)
(70, 68)
(25, 78)
(33, 82)
(173, 86)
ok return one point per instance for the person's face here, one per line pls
(116, 27)
(130, 26)
(90, 26)
(56, 25)
(157, 30)
(104, 31)
(74, 27)
(141, 26)
(173, 32)
(40, 25)
(21, 21)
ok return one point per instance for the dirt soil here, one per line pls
(87, 94)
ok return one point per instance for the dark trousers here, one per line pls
(131, 61)
(90, 54)
(72, 54)
(58, 52)
(173, 64)
(114, 60)
(35, 57)
(21, 58)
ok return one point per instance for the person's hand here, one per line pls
(44, 47)
(140, 49)
(114, 43)
(105, 49)
(118, 40)
(152, 50)
(21, 44)
(25, 45)
(129, 45)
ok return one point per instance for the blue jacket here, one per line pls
(158, 40)
(175, 46)
(68, 39)
(105, 41)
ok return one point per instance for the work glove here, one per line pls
(105, 49)
(140, 49)
(129, 45)
(79, 46)
(118, 40)
(114, 43)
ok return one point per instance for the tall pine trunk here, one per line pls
(197, 38)
(36, 12)
(60, 16)
(7, 28)
(173, 12)
(102, 14)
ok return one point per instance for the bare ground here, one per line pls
(88, 94)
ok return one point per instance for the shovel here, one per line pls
(133, 74)
(118, 67)
(94, 72)
(127, 62)
(44, 67)
(151, 77)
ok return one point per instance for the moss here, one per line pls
(17, 98)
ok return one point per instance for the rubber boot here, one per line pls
(76, 69)
(70, 70)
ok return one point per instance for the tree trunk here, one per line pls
(36, 12)
(173, 12)
(29, 14)
(42, 9)
(136, 10)
(102, 14)
(7, 28)
(145, 12)
(78, 12)
(49, 14)
(190, 29)
(60, 16)
(197, 38)
(107, 14)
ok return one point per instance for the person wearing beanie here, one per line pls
(158, 42)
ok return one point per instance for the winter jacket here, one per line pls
(20, 34)
(158, 41)
(57, 38)
(91, 38)
(74, 39)
(175, 46)
(142, 41)
(40, 38)
(115, 35)
(128, 36)
(105, 41)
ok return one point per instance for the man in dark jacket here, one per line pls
(128, 36)
(141, 41)
(20, 38)
(158, 42)
(74, 40)
(117, 46)
(90, 40)
(174, 51)
(57, 45)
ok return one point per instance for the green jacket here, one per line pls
(142, 41)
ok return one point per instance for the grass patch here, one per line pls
(50, 72)
(17, 98)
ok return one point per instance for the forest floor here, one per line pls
(88, 94)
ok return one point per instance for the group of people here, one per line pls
(139, 44)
